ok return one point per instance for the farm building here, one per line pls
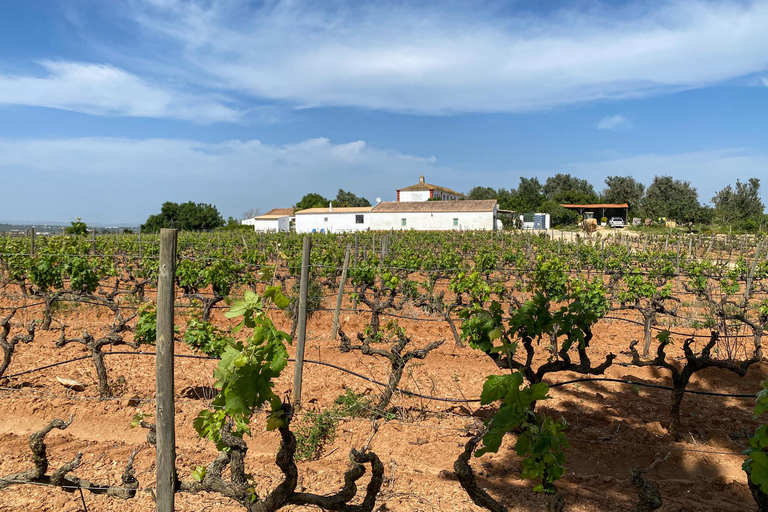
(423, 191)
(333, 219)
(436, 215)
(275, 220)
(597, 211)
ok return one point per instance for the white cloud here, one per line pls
(765, 81)
(419, 59)
(615, 124)
(111, 180)
(106, 90)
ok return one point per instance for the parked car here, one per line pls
(616, 222)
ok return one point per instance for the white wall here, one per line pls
(331, 222)
(264, 225)
(432, 221)
(414, 195)
(529, 225)
(284, 224)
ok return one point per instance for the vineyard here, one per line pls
(441, 371)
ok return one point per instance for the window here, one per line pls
(455, 222)
(325, 219)
(359, 219)
(402, 222)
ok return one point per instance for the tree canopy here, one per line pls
(623, 189)
(344, 198)
(185, 216)
(740, 204)
(311, 200)
(480, 193)
(78, 227)
(674, 199)
(564, 188)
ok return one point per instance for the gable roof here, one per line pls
(336, 209)
(427, 187)
(485, 205)
(276, 213)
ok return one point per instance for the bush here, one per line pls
(558, 215)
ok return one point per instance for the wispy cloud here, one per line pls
(417, 58)
(106, 90)
(615, 123)
(143, 174)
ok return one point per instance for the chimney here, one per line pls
(330, 206)
(421, 179)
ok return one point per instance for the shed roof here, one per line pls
(485, 205)
(607, 205)
(336, 209)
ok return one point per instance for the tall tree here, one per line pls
(528, 196)
(564, 188)
(311, 200)
(740, 204)
(184, 216)
(673, 199)
(344, 198)
(623, 189)
(250, 213)
(480, 193)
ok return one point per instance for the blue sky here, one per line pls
(108, 109)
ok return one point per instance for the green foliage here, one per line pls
(83, 277)
(567, 189)
(623, 189)
(313, 432)
(138, 417)
(188, 216)
(311, 200)
(673, 199)
(558, 216)
(77, 227)
(353, 404)
(344, 198)
(146, 325)
(740, 205)
(756, 465)
(245, 375)
(206, 338)
(540, 443)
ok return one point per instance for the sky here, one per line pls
(109, 109)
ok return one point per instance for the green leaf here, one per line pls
(199, 473)
(497, 387)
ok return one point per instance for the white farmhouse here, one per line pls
(423, 191)
(275, 220)
(435, 215)
(333, 219)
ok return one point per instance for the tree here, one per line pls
(528, 196)
(78, 227)
(250, 213)
(558, 215)
(344, 198)
(311, 200)
(623, 189)
(740, 204)
(184, 216)
(675, 199)
(564, 188)
(479, 193)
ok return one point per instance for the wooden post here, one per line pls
(32, 241)
(340, 296)
(677, 265)
(93, 240)
(140, 252)
(302, 327)
(357, 257)
(166, 427)
(751, 275)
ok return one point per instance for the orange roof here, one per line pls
(623, 205)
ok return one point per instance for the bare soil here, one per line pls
(613, 427)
